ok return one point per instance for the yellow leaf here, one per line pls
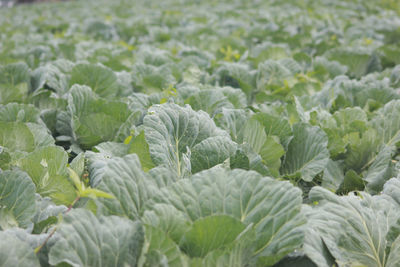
(94, 193)
(128, 140)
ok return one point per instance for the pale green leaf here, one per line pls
(273, 207)
(210, 233)
(354, 228)
(210, 152)
(85, 240)
(139, 146)
(125, 180)
(92, 119)
(159, 250)
(14, 252)
(307, 153)
(47, 167)
(101, 80)
(16, 136)
(171, 129)
(17, 199)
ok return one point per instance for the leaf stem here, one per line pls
(37, 250)
(72, 204)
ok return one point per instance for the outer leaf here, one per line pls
(16, 136)
(48, 169)
(394, 257)
(273, 207)
(170, 129)
(392, 189)
(93, 119)
(141, 148)
(46, 208)
(355, 229)
(361, 151)
(13, 82)
(159, 249)
(85, 240)
(232, 121)
(14, 112)
(101, 80)
(124, 179)
(210, 152)
(14, 252)
(387, 122)
(210, 233)
(167, 218)
(380, 171)
(307, 153)
(78, 164)
(275, 126)
(254, 135)
(333, 175)
(17, 199)
(210, 100)
(271, 153)
(359, 62)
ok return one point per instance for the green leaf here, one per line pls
(78, 164)
(210, 152)
(125, 180)
(210, 233)
(166, 217)
(85, 240)
(392, 189)
(47, 167)
(239, 160)
(254, 135)
(361, 151)
(351, 182)
(359, 61)
(255, 160)
(92, 119)
(52, 76)
(41, 135)
(268, 147)
(14, 80)
(354, 228)
(171, 129)
(76, 180)
(271, 73)
(101, 80)
(17, 199)
(14, 252)
(272, 207)
(307, 153)
(139, 146)
(209, 100)
(394, 257)
(271, 153)
(277, 126)
(150, 79)
(46, 213)
(237, 75)
(238, 253)
(387, 122)
(16, 136)
(381, 170)
(14, 112)
(232, 121)
(333, 175)
(159, 249)
(5, 158)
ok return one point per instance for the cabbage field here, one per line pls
(200, 133)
